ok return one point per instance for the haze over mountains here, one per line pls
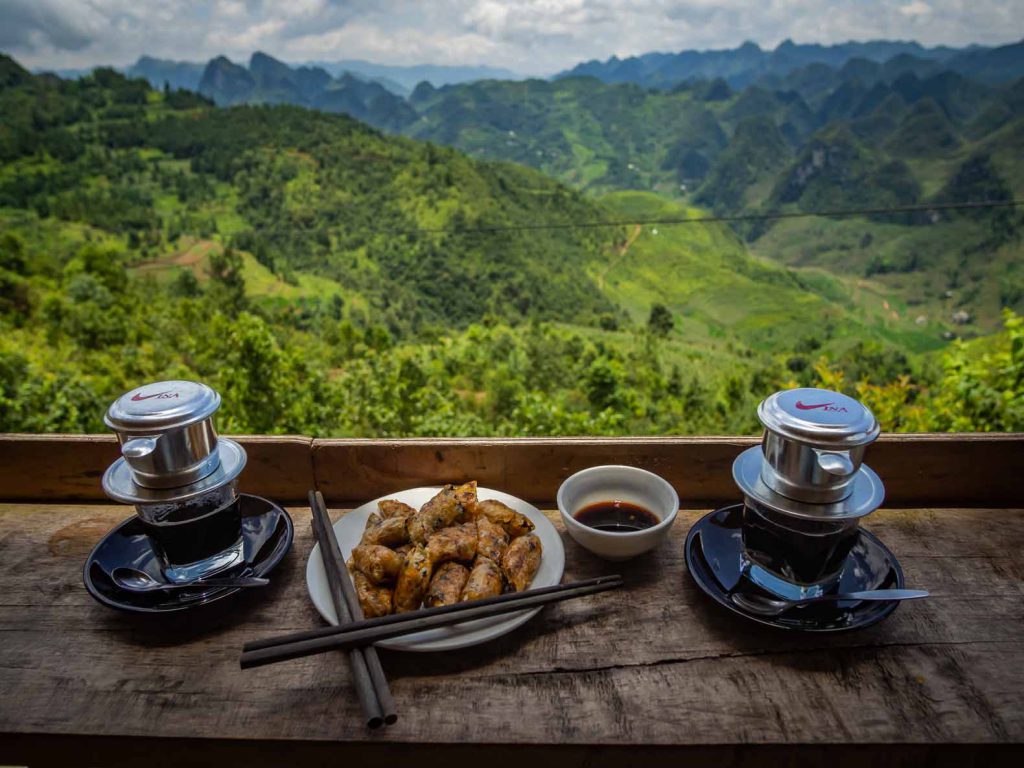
(402, 80)
(747, 63)
(397, 79)
(739, 67)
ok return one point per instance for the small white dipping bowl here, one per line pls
(617, 483)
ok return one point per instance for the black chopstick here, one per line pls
(348, 590)
(457, 608)
(371, 630)
(357, 660)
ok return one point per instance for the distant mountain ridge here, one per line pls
(603, 136)
(405, 78)
(400, 80)
(742, 66)
(177, 74)
(269, 81)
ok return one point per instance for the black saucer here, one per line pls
(870, 565)
(266, 532)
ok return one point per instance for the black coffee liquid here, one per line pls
(200, 538)
(617, 517)
(801, 551)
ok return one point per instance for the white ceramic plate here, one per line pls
(349, 530)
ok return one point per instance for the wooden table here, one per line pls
(651, 673)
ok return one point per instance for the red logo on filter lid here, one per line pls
(823, 406)
(168, 395)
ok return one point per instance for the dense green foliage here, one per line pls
(865, 135)
(329, 280)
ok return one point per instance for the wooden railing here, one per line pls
(918, 470)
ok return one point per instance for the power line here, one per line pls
(724, 218)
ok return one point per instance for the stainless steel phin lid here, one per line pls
(818, 417)
(866, 496)
(169, 445)
(120, 482)
(162, 407)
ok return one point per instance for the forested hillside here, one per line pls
(866, 135)
(332, 280)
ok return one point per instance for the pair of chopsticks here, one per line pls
(371, 684)
(362, 633)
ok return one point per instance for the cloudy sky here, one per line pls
(528, 36)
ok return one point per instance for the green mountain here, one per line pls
(756, 153)
(269, 81)
(332, 280)
(834, 170)
(176, 74)
(594, 136)
(602, 137)
(867, 135)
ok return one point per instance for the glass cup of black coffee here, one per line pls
(197, 537)
(799, 551)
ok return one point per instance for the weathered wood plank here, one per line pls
(918, 470)
(347, 470)
(69, 467)
(655, 666)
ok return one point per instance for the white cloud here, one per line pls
(531, 36)
(916, 8)
(400, 46)
(245, 39)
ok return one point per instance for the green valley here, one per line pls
(329, 279)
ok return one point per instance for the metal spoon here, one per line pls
(767, 606)
(138, 581)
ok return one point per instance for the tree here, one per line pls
(984, 393)
(186, 285)
(228, 288)
(661, 321)
(12, 253)
(603, 382)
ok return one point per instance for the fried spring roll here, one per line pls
(521, 561)
(491, 539)
(446, 585)
(457, 542)
(438, 513)
(413, 580)
(514, 523)
(390, 508)
(380, 564)
(465, 494)
(484, 580)
(392, 532)
(373, 599)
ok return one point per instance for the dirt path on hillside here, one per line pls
(620, 254)
(191, 256)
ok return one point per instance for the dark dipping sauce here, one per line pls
(616, 517)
